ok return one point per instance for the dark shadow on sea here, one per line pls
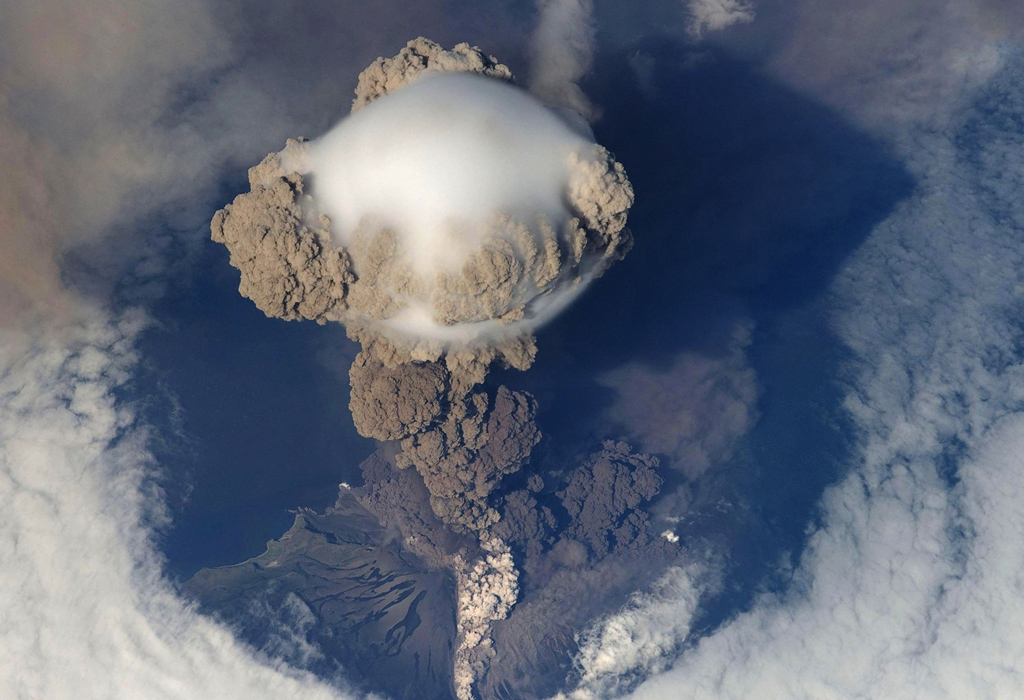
(749, 198)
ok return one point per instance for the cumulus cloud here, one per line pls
(715, 15)
(693, 412)
(640, 638)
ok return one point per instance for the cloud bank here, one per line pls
(87, 613)
(910, 585)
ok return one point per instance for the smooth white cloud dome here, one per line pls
(435, 159)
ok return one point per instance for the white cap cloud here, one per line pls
(435, 160)
(435, 163)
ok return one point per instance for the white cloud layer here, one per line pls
(86, 613)
(640, 638)
(913, 584)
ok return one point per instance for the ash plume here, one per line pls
(584, 544)
(421, 56)
(443, 221)
(456, 212)
(603, 494)
(562, 50)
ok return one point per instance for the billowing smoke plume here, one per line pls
(441, 225)
(457, 212)
(563, 51)
(441, 222)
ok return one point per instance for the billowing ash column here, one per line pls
(443, 221)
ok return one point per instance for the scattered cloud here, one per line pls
(714, 15)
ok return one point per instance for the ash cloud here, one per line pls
(399, 499)
(444, 220)
(562, 52)
(585, 544)
(62, 116)
(891, 65)
(461, 213)
(602, 497)
(421, 56)
(695, 411)
(387, 258)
